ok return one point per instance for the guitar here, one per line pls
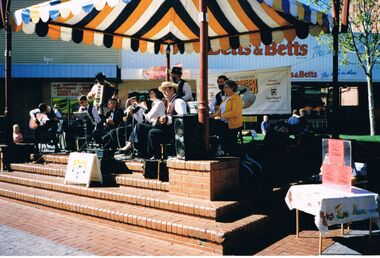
(34, 122)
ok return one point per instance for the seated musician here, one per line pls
(101, 92)
(149, 137)
(44, 128)
(81, 128)
(150, 116)
(113, 120)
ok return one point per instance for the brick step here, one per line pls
(131, 180)
(51, 158)
(141, 197)
(219, 237)
(44, 169)
(132, 165)
(139, 181)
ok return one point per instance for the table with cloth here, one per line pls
(332, 206)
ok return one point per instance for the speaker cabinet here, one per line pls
(5, 131)
(188, 144)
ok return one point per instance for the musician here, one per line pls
(101, 92)
(79, 127)
(219, 97)
(230, 118)
(150, 116)
(114, 119)
(149, 137)
(184, 89)
(43, 127)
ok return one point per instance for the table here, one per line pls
(332, 206)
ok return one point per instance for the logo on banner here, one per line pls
(274, 96)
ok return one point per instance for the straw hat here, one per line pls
(167, 84)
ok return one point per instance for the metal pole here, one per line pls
(203, 72)
(167, 63)
(336, 95)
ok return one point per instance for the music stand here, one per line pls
(85, 118)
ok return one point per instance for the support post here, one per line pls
(167, 51)
(297, 224)
(336, 95)
(320, 244)
(203, 72)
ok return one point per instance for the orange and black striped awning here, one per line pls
(149, 25)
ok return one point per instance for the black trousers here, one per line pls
(227, 137)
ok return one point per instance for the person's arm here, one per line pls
(156, 110)
(96, 115)
(187, 92)
(92, 92)
(212, 105)
(33, 112)
(237, 107)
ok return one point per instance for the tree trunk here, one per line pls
(371, 106)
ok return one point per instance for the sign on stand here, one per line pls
(337, 164)
(83, 168)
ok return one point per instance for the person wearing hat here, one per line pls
(149, 137)
(101, 92)
(219, 97)
(184, 89)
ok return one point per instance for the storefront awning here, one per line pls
(149, 25)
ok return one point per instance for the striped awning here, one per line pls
(149, 25)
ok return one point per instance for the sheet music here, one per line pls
(84, 116)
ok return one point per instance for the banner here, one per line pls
(264, 92)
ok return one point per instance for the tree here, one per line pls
(363, 39)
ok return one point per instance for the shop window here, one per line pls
(349, 96)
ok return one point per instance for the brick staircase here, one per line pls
(138, 204)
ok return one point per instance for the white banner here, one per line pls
(265, 91)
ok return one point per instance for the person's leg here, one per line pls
(140, 138)
(232, 147)
(156, 136)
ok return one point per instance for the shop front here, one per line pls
(310, 77)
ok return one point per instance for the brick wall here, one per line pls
(206, 179)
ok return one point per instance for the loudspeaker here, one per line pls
(5, 130)
(151, 169)
(188, 142)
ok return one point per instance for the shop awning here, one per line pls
(149, 25)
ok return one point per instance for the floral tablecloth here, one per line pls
(331, 206)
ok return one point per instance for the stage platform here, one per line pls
(145, 206)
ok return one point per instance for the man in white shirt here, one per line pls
(149, 138)
(101, 92)
(184, 89)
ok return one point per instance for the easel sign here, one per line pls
(336, 164)
(83, 168)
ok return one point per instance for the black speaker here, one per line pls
(5, 130)
(188, 142)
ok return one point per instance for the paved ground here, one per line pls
(26, 231)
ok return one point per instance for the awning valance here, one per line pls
(149, 25)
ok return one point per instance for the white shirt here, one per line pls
(94, 113)
(180, 108)
(41, 119)
(57, 113)
(157, 110)
(186, 89)
(213, 103)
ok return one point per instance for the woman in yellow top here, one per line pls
(231, 115)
